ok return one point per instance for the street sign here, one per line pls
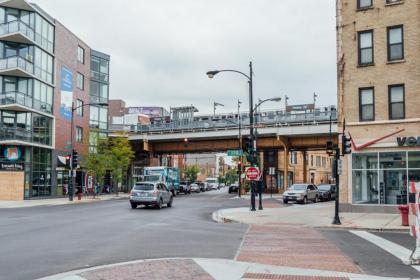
(235, 153)
(252, 173)
(272, 171)
(339, 167)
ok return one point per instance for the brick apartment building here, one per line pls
(44, 67)
(378, 47)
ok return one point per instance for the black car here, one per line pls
(327, 192)
(234, 188)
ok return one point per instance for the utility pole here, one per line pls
(240, 148)
(251, 132)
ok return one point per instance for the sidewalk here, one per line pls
(60, 201)
(319, 215)
(204, 269)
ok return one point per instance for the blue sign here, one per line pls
(12, 153)
(66, 92)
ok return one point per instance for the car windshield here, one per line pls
(298, 188)
(324, 187)
(143, 187)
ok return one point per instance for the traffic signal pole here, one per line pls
(72, 181)
(336, 220)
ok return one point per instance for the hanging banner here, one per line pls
(66, 93)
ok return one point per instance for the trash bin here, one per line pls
(404, 210)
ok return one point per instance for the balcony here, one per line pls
(16, 66)
(17, 31)
(19, 101)
(17, 135)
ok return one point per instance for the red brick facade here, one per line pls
(66, 47)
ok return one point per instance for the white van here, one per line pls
(213, 183)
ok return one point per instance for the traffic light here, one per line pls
(345, 145)
(75, 159)
(252, 158)
(249, 145)
(68, 161)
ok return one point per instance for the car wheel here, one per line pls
(159, 204)
(316, 199)
(170, 203)
(285, 201)
(133, 205)
(305, 200)
(329, 197)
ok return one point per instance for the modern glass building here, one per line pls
(26, 100)
(44, 69)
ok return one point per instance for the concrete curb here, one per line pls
(219, 217)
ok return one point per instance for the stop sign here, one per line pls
(252, 173)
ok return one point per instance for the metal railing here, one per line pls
(17, 26)
(15, 97)
(265, 119)
(16, 62)
(15, 133)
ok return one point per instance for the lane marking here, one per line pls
(394, 249)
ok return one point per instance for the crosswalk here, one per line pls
(400, 252)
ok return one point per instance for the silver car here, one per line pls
(150, 194)
(301, 193)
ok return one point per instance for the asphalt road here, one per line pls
(41, 241)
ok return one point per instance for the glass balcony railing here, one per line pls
(99, 76)
(16, 62)
(15, 133)
(14, 97)
(17, 26)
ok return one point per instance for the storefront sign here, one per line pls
(66, 93)
(408, 141)
(11, 166)
(12, 153)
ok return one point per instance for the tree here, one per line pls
(191, 173)
(97, 162)
(120, 154)
(231, 176)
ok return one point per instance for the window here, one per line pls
(81, 54)
(363, 4)
(395, 43)
(293, 158)
(365, 40)
(366, 104)
(79, 106)
(79, 134)
(80, 81)
(396, 102)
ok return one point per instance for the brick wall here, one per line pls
(351, 77)
(66, 55)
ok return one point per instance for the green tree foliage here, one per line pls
(113, 154)
(231, 176)
(191, 173)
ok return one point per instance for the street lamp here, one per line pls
(273, 99)
(215, 104)
(211, 75)
(72, 168)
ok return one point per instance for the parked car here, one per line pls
(194, 187)
(301, 193)
(203, 186)
(150, 194)
(234, 188)
(222, 185)
(327, 192)
(184, 187)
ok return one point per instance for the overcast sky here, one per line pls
(161, 49)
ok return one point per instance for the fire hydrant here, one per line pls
(404, 209)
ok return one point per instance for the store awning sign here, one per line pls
(11, 166)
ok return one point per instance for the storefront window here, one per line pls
(365, 161)
(386, 183)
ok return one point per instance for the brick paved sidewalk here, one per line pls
(293, 246)
(160, 270)
(265, 276)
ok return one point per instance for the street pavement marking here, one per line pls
(394, 249)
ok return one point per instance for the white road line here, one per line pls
(394, 249)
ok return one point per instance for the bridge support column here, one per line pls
(284, 141)
(305, 166)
